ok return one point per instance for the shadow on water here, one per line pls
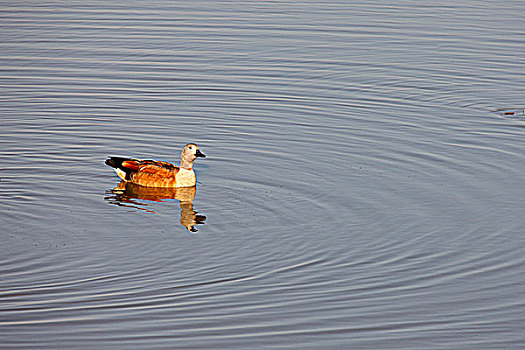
(130, 195)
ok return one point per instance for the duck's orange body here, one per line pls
(152, 173)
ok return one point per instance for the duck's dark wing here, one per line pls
(142, 172)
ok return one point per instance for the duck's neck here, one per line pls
(186, 164)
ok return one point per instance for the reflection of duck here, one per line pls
(126, 192)
(153, 173)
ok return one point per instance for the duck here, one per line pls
(156, 173)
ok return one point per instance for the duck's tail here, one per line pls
(116, 163)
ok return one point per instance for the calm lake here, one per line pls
(364, 185)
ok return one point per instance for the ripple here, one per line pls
(358, 191)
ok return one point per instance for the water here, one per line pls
(363, 187)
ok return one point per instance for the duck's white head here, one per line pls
(190, 152)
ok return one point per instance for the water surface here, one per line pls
(363, 187)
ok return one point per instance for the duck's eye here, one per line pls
(190, 147)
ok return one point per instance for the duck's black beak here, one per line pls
(200, 154)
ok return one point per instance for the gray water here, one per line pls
(364, 185)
